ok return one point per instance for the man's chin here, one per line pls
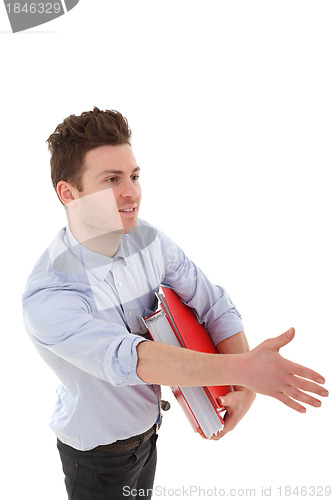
(129, 224)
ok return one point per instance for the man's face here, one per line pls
(111, 193)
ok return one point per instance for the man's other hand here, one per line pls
(237, 403)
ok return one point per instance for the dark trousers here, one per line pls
(104, 475)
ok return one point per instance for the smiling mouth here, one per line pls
(128, 210)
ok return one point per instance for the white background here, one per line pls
(230, 104)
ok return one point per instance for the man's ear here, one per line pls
(66, 193)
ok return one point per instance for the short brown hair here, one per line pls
(77, 135)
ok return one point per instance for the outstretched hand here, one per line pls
(268, 373)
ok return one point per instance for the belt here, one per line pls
(128, 444)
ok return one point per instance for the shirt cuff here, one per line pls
(121, 369)
(226, 326)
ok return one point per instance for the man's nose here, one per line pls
(130, 190)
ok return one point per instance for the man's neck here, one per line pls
(104, 244)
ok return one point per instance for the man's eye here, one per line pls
(135, 177)
(111, 179)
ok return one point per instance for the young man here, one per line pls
(83, 307)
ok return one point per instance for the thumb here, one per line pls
(282, 340)
(223, 400)
(226, 400)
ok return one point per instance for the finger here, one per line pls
(303, 397)
(277, 342)
(308, 386)
(290, 402)
(305, 373)
(199, 431)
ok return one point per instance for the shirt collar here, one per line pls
(97, 264)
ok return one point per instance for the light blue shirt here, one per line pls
(83, 311)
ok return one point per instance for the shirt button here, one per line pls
(130, 313)
(120, 283)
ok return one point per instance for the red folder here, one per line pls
(191, 335)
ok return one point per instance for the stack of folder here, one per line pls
(175, 323)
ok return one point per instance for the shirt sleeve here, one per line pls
(59, 319)
(211, 303)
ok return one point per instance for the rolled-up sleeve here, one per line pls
(211, 303)
(60, 320)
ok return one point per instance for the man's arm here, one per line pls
(262, 370)
(236, 344)
(239, 401)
